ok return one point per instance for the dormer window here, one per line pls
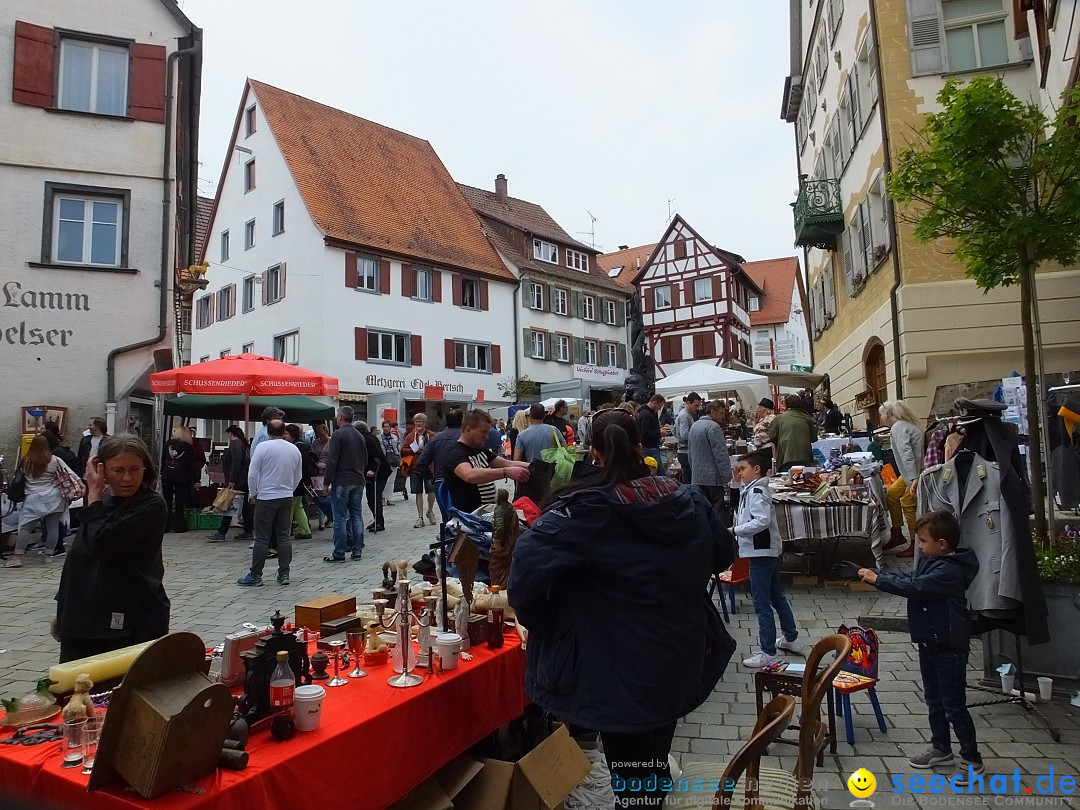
(545, 251)
(576, 260)
(754, 303)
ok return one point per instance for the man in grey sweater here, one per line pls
(273, 474)
(686, 418)
(709, 457)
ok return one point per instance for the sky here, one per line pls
(624, 109)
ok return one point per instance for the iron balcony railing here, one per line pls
(819, 214)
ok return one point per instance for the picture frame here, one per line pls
(32, 422)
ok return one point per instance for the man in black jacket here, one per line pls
(376, 472)
(88, 446)
(648, 422)
(344, 480)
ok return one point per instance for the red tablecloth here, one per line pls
(375, 743)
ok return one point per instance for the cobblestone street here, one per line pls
(201, 581)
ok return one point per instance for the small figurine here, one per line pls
(80, 705)
(387, 579)
(319, 662)
(465, 556)
(374, 644)
(504, 537)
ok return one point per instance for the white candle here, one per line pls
(99, 667)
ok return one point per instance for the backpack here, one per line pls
(16, 491)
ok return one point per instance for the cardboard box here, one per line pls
(540, 780)
(313, 613)
(438, 792)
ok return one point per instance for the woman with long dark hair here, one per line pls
(111, 593)
(44, 502)
(618, 559)
(234, 468)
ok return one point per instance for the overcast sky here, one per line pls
(608, 106)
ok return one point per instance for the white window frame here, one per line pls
(560, 302)
(224, 353)
(224, 242)
(470, 293)
(399, 351)
(973, 22)
(367, 273)
(225, 302)
(588, 307)
(277, 218)
(423, 283)
(470, 356)
(576, 260)
(611, 355)
(204, 359)
(250, 118)
(592, 350)
(249, 234)
(273, 290)
(287, 346)
(662, 296)
(536, 296)
(247, 299)
(702, 284)
(545, 251)
(203, 311)
(96, 48)
(250, 176)
(609, 312)
(537, 345)
(247, 348)
(561, 348)
(88, 222)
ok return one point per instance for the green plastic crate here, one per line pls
(196, 519)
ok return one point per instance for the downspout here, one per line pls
(517, 347)
(894, 310)
(166, 228)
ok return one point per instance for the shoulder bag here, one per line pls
(71, 487)
(16, 490)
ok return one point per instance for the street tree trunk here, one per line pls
(1034, 401)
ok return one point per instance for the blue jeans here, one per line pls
(347, 502)
(767, 590)
(944, 677)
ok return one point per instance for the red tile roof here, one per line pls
(631, 260)
(372, 186)
(777, 278)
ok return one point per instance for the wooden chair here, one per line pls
(859, 675)
(815, 687)
(744, 768)
(738, 574)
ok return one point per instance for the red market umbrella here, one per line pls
(247, 374)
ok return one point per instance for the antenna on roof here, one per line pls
(669, 202)
(591, 233)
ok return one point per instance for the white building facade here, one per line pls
(779, 335)
(90, 252)
(305, 277)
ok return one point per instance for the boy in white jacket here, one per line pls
(759, 540)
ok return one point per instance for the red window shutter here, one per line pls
(718, 287)
(483, 294)
(450, 350)
(408, 280)
(146, 101)
(680, 248)
(436, 286)
(416, 351)
(496, 359)
(32, 82)
(352, 279)
(688, 293)
(360, 338)
(384, 276)
(648, 298)
(455, 282)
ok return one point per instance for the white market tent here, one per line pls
(715, 382)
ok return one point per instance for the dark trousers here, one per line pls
(944, 677)
(375, 487)
(687, 474)
(640, 773)
(273, 517)
(177, 496)
(715, 494)
(247, 518)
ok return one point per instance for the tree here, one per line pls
(519, 388)
(1002, 180)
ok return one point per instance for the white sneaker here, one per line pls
(759, 660)
(796, 647)
(419, 524)
(430, 517)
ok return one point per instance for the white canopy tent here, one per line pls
(715, 382)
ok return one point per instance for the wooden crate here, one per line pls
(315, 612)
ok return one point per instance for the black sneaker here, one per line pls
(966, 770)
(282, 579)
(60, 552)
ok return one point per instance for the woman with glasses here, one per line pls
(111, 593)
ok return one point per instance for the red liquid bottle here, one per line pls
(282, 687)
(495, 618)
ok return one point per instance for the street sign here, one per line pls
(803, 369)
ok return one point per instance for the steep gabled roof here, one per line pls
(732, 259)
(628, 260)
(370, 186)
(520, 214)
(777, 279)
(203, 207)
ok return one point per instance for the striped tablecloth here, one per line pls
(824, 521)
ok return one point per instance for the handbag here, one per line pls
(223, 501)
(16, 491)
(71, 487)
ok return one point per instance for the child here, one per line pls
(941, 626)
(759, 540)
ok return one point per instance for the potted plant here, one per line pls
(858, 281)
(1058, 562)
(879, 253)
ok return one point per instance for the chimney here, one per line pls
(624, 247)
(500, 186)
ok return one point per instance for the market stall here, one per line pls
(715, 382)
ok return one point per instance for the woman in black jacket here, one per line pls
(611, 583)
(111, 593)
(179, 466)
(234, 469)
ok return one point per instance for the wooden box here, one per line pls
(334, 626)
(316, 612)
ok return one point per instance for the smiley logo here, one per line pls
(862, 784)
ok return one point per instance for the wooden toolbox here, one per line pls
(314, 613)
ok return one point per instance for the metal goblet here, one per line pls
(336, 648)
(357, 642)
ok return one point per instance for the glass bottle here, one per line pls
(495, 618)
(282, 687)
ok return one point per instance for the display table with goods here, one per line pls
(833, 446)
(817, 510)
(370, 743)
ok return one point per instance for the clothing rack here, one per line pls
(1020, 699)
